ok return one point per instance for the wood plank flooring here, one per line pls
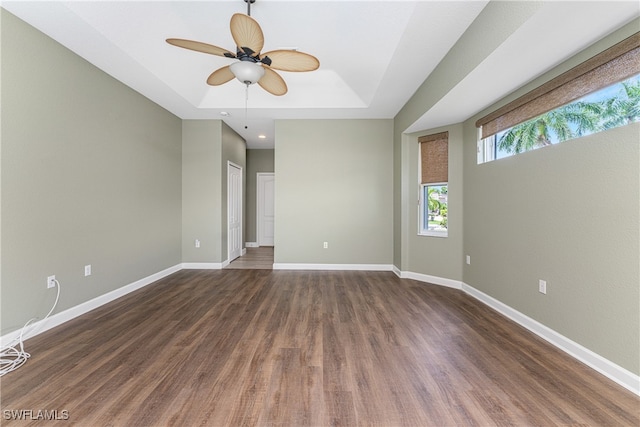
(256, 258)
(296, 348)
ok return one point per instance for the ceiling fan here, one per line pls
(252, 66)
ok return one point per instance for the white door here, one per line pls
(265, 211)
(234, 215)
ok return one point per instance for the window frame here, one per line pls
(611, 66)
(487, 148)
(440, 155)
(615, 64)
(423, 209)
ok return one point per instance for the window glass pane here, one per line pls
(435, 208)
(610, 107)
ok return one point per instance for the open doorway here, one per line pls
(260, 254)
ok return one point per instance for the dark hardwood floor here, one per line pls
(295, 348)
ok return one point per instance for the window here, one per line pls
(434, 176)
(601, 93)
(614, 106)
(433, 220)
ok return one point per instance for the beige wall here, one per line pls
(334, 184)
(90, 175)
(257, 161)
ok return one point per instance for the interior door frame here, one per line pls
(258, 206)
(230, 164)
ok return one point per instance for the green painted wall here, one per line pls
(436, 256)
(492, 27)
(202, 190)
(90, 175)
(207, 145)
(257, 161)
(567, 214)
(234, 150)
(94, 173)
(334, 184)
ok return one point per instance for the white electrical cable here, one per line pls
(11, 358)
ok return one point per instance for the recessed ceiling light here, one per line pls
(262, 136)
(224, 113)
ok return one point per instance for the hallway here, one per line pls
(255, 259)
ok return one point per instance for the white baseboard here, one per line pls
(80, 309)
(333, 267)
(251, 244)
(397, 271)
(442, 281)
(244, 251)
(614, 372)
(205, 265)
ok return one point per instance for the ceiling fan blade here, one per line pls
(200, 47)
(220, 76)
(246, 32)
(272, 82)
(291, 60)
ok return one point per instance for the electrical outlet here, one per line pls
(325, 245)
(51, 282)
(197, 243)
(542, 286)
(87, 270)
(468, 259)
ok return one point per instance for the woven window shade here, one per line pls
(613, 65)
(434, 158)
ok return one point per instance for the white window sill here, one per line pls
(434, 234)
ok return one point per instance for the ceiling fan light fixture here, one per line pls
(247, 72)
(253, 66)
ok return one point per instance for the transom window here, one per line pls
(611, 107)
(598, 94)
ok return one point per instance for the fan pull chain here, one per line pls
(246, 104)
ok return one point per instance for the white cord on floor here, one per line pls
(12, 357)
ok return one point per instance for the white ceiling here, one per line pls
(373, 54)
